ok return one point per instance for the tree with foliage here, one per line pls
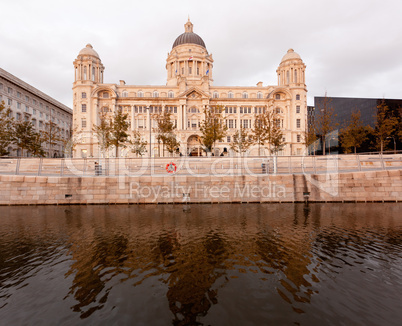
(6, 129)
(310, 137)
(35, 147)
(212, 127)
(165, 130)
(70, 140)
(138, 146)
(118, 130)
(325, 120)
(51, 135)
(242, 141)
(260, 132)
(267, 129)
(24, 135)
(386, 125)
(354, 134)
(102, 131)
(172, 143)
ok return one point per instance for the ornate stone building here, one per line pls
(188, 91)
(30, 104)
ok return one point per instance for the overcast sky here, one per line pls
(351, 48)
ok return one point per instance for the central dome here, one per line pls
(188, 37)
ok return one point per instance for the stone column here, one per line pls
(179, 118)
(132, 118)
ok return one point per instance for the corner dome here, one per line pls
(291, 54)
(188, 37)
(89, 50)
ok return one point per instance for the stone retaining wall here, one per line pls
(356, 186)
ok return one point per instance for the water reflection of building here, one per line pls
(188, 91)
(196, 261)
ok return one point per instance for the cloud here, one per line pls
(350, 48)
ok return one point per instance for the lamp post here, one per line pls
(394, 143)
(329, 143)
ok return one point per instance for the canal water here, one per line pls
(234, 264)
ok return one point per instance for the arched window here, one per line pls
(245, 95)
(230, 95)
(297, 97)
(259, 95)
(170, 94)
(216, 95)
(155, 94)
(140, 94)
(124, 94)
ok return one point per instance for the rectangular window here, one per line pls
(26, 108)
(10, 102)
(228, 139)
(18, 116)
(83, 123)
(83, 108)
(297, 108)
(298, 138)
(83, 95)
(241, 109)
(231, 123)
(297, 123)
(189, 70)
(34, 102)
(26, 98)
(33, 111)
(9, 90)
(18, 94)
(18, 105)
(40, 124)
(234, 110)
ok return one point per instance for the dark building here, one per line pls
(344, 107)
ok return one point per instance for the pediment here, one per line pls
(194, 93)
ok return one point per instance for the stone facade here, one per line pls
(365, 186)
(26, 102)
(188, 92)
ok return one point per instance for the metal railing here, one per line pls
(82, 167)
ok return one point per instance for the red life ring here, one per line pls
(171, 167)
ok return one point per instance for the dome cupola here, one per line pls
(89, 50)
(188, 37)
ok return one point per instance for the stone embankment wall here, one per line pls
(364, 186)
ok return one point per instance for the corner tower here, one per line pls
(189, 63)
(88, 68)
(291, 70)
